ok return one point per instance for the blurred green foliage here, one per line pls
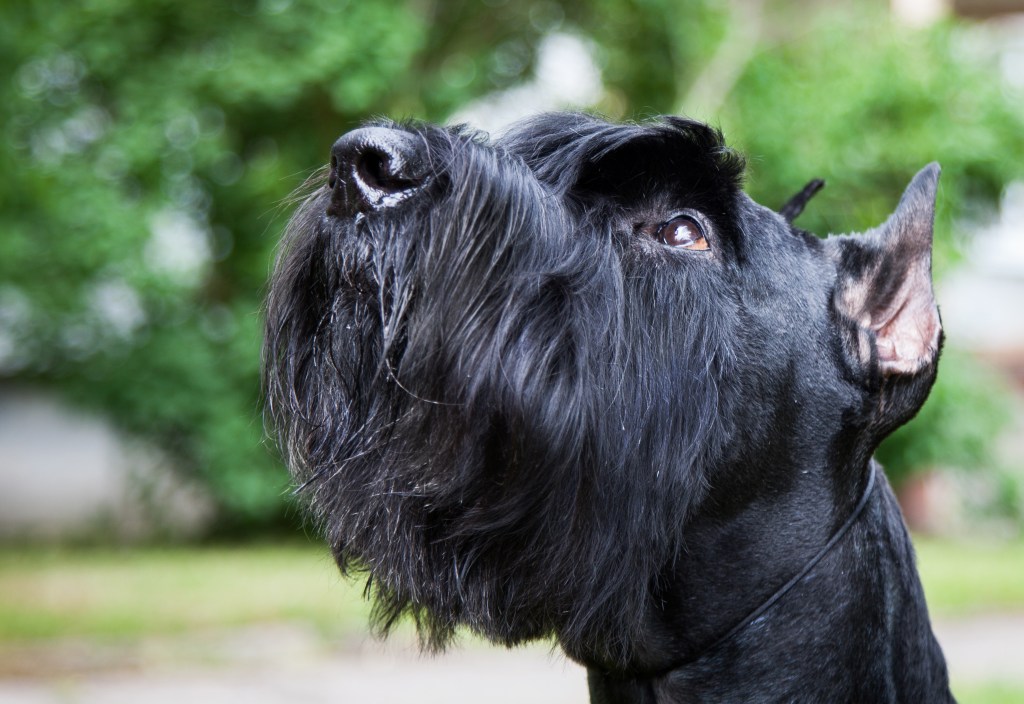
(864, 103)
(155, 145)
(150, 150)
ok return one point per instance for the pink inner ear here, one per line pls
(907, 331)
(887, 287)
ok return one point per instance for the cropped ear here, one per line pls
(795, 205)
(885, 283)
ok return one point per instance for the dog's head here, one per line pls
(508, 373)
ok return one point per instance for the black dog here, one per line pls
(575, 382)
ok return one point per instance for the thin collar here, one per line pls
(784, 589)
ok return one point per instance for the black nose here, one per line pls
(376, 167)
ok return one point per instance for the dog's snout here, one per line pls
(376, 167)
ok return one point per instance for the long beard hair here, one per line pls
(491, 406)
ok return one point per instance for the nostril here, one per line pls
(376, 167)
(373, 169)
(383, 171)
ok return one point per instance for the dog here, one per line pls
(574, 382)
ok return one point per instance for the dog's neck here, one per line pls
(737, 560)
(743, 546)
(737, 563)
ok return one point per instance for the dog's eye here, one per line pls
(683, 231)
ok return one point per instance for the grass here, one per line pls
(962, 578)
(988, 693)
(113, 593)
(109, 593)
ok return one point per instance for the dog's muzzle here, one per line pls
(375, 167)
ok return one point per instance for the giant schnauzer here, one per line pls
(573, 382)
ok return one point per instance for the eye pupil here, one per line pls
(683, 231)
(679, 232)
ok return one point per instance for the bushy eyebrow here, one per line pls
(559, 147)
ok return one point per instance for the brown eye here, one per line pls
(683, 231)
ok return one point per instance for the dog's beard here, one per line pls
(473, 417)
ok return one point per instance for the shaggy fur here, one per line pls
(518, 411)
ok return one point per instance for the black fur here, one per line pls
(520, 412)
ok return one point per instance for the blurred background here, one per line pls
(149, 549)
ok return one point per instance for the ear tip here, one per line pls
(929, 174)
(924, 185)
